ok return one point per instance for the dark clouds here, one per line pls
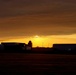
(43, 17)
(25, 7)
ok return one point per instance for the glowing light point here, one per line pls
(36, 36)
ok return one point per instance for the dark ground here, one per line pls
(37, 64)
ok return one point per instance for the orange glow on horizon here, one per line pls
(45, 41)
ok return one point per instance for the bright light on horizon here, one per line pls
(45, 41)
(36, 36)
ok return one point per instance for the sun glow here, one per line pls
(45, 41)
(37, 40)
(36, 36)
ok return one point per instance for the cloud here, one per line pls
(43, 17)
(25, 7)
(35, 24)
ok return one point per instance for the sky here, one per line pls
(51, 19)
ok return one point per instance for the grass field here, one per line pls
(37, 64)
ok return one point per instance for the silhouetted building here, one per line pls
(29, 46)
(13, 46)
(68, 47)
(1, 47)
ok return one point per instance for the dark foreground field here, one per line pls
(37, 64)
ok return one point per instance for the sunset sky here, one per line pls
(53, 21)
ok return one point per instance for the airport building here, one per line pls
(66, 47)
(14, 46)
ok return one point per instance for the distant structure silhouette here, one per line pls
(1, 47)
(65, 47)
(29, 46)
(13, 46)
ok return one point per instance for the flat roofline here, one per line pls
(11, 43)
(66, 44)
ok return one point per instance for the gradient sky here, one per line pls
(21, 18)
